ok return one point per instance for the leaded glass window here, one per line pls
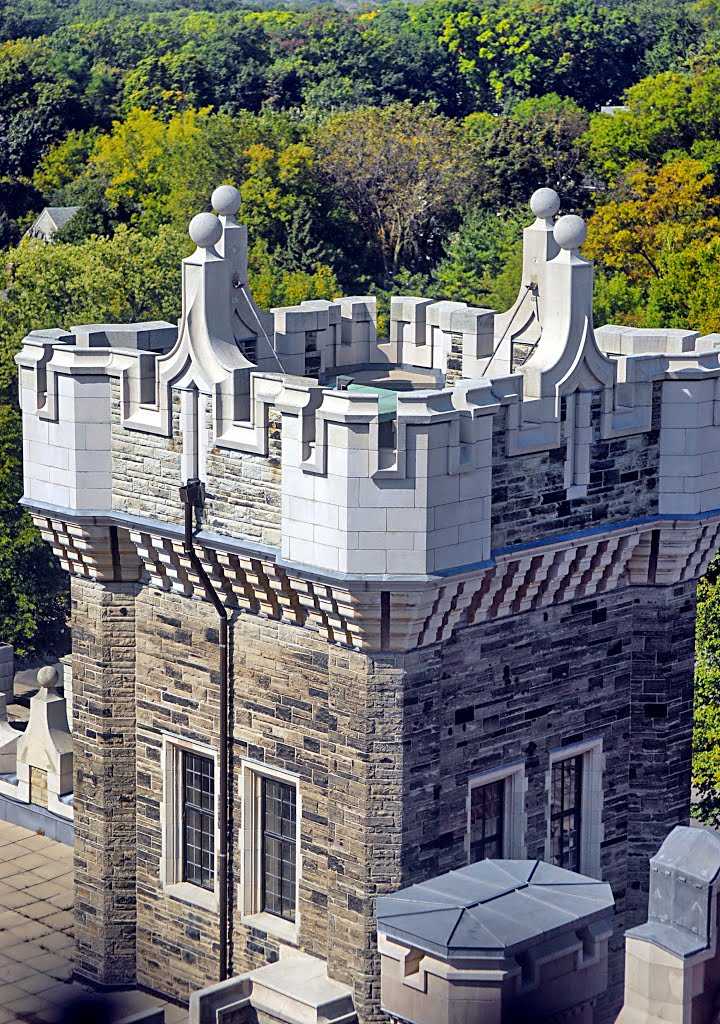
(566, 812)
(487, 821)
(198, 819)
(279, 838)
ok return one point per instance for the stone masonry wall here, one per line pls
(517, 689)
(177, 693)
(384, 747)
(661, 727)
(146, 467)
(328, 715)
(529, 499)
(103, 616)
(243, 490)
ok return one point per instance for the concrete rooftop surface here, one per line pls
(36, 935)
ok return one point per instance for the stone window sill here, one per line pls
(273, 925)
(186, 892)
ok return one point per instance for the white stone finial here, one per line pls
(570, 232)
(226, 200)
(205, 230)
(48, 677)
(545, 203)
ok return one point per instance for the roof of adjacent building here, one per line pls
(60, 215)
(51, 219)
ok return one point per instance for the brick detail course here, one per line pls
(38, 787)
(88, 550)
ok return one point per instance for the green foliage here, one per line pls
(483, 261)
(123, 278)
(672, 114)
(706, 740)
(538, 144)
(275, 285)
(617, 300)
(404, 171)
(65, 162)
(522, 48)
(40, 100)
(661, 236)
(33, 590)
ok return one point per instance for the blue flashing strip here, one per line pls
(255, 549)
(593, 531)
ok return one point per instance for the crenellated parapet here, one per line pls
(417, 504)
(472, 454)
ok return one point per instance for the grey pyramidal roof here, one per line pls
(492, 908)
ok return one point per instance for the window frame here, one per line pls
(250, 889)
(575, 812)
(172, 862)
(591, 803)
(514, 813)
(203, 813)
(266, 833)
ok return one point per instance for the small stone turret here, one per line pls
(44, 750)
(672, 961)
(497, 942)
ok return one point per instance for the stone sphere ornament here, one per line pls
(205, 230)
(570, 231)
(47, 677)
(226, 200)
(545, 203)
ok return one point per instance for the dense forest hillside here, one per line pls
(378, 147)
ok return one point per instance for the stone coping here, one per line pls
(37, 819)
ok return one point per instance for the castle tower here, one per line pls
(416, 604)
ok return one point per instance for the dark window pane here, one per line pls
(198, 819)
(278, 848)
(487, 821)
(566, 812)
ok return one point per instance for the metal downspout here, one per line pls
(193, 497)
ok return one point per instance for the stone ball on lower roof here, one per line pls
(48, 677)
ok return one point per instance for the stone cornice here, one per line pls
(389, 613)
